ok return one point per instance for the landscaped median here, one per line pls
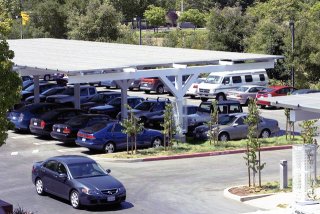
(201, 149)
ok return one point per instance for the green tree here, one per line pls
(10, 83)
(169, 127)
(100, 23)
(226, 29)
(156, 16)
(132, 8)
(195, 16)
(253, 156)
(309, 130)
(213, 123)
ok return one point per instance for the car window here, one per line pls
(253, 89)
(115, 102)
(236, 79)
(234, 109)
(262, 77)
(158, 107)
(83, 92)
(144, 106)
(117, 128)
(51, 165)
(213, 79)
(67, 115)
(242, 89)
(205, 107)
(61, 169)
(191, 110)
(80, 170)
(248, 78)
(240, 121)
(223, 109)
(92, 91)
(226, 80)
(68, 91)
(95, 120)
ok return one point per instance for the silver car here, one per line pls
(243, 93)
(237, 129)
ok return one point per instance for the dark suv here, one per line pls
(203, 113)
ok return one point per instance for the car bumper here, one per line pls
(39, 132)
(62, 137)
(263, 103)
(20, 125)
(206, 95)
(88, 200)
(90, 144)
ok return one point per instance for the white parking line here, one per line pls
(35, 151)
(71, 150)
(22, 136)
(14, 153)
(45, 143)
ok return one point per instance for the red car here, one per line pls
(272, 91)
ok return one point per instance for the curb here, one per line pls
(229, 195)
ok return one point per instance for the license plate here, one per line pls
(111, 198)
(146, 84)
(58, 130)
(35, 123)
(83, 139)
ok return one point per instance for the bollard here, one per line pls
(283, 174)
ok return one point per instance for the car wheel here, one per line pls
(74, 199)
(39, 186)
(156, 142)
(109, 148)
(192, 96)
(265, 133)
(224, 137)
(160, 89)
(220, 97)
(46, 77)
(262, 106)
(204, 99)
(147, 92)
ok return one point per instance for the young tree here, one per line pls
(309, 130)
(131, 127)
(253, 156)
(10, 83)
(213, 123)
(195, 16)
(156, 16)
(169, 127)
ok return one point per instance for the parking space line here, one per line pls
(70, 150)
(45, 143)
(14, 153)
(35, 151)
(22, 136)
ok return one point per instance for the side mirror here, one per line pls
(108, 171)
(63, 176)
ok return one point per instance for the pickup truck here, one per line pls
(67, 97)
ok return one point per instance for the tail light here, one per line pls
(21, 117)
(42, 124)
(66, 130)
(90, 136)
(195, 86)
(269, 95)
(87, 136)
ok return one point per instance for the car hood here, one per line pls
(104, 107)
(100, 182)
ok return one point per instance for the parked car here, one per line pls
(100, 99)
(114, 106)
(156, 120)
(42, 125)
(305, 91)
(22, 116)
(205, 108)
(149, 107)
(272, 91)
(108, 137)
(194, 88)
(109, 84)
(152, 84)
(244, 93)
(236, 128)
(45, 94)
(43, 86)
(78, 179)
(67, 97)
(26, 81)
(67, 132)
(135, 85)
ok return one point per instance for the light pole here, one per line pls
(138, 20)
(291, 25)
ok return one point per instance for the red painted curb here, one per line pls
(206, 154)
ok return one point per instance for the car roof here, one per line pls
(36, 105)
(71, 159)
(109, 92)
(223, 102)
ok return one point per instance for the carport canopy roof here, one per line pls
(74, 56)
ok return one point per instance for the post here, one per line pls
(77, 95)
(291, 24)
(36, 89)
(140, 38)
(283, 174)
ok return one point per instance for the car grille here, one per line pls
(204, 90)
(109, 191)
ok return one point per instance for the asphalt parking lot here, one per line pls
(175, 186)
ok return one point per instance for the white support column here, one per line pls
(124, 85)
(36, 90)
(77, 95)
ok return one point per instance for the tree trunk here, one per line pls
(248, 162)
(135, 144)
(127, 144)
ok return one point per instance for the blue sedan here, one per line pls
(78, 179)
(108, 137)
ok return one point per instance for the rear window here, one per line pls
(248, 78)
(96, 127)
(145, 106)
(236, 79)
(262, 77)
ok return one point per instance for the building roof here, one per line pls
(74, 56)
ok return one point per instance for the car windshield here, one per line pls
(205, 107)
(76, 121)
(115, 102)
(96, 98)
(145, 106)
(213, 79)
(68, 91)
(96, 127)
(30, 88)
(226, 119)
(83, 170)
(52, 91)
(242, 89)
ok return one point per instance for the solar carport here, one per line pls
(85, 62)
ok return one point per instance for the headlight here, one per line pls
(89, 191)
(122, 190)
(213, 90)
(21, 117)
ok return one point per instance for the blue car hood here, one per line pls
(103, 107)
(100, 182)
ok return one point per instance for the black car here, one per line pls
(114, 106)
(22, 116)
(100, 99)
(43, 86)
(156, 120)
(78, 179)
(67, 132)
(43, 125)
(49, 92)
(149, 108)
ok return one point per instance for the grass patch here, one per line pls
(192, 146)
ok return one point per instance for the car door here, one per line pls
(143, 140)
(119, 137)
(238, 129)
(61, 184)
(84, 95)
(48, 171)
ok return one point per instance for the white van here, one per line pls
(218, 83)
